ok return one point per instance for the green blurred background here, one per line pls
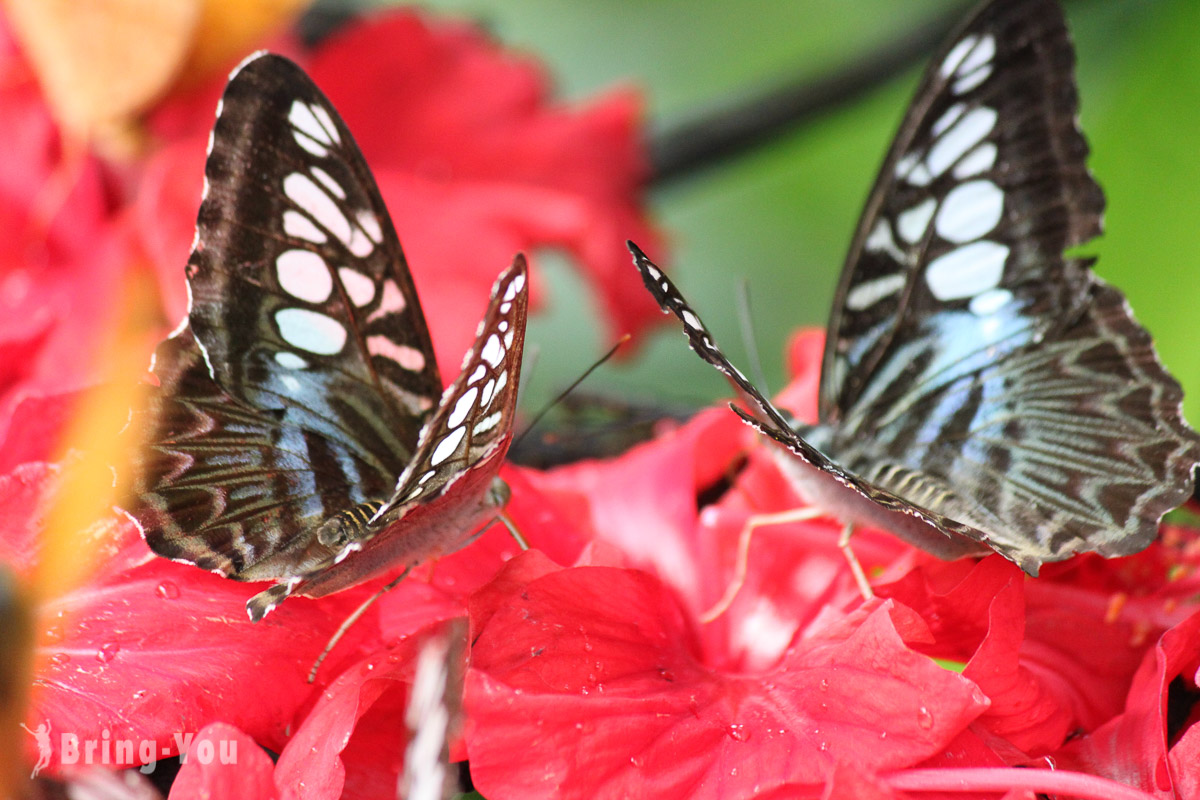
(781, 215)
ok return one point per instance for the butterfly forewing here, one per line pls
(962, 238)
(475, 415)
(299, 286)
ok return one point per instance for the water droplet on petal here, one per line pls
(107, 652)
(738, 732)
(60, 658)
(636, 761)
(824, 684)
(924, 718)
(167, 590)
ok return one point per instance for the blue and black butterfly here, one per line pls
(299, 432)
(978, 388)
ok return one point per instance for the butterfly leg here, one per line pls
(350, 620)
(860, 577)
(512, 530)
(743, 554)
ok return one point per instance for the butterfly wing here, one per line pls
(965, 350)
(300, 295)
(984, 187)
(305, 373)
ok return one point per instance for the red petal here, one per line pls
(644, 502)
(588, 681)
(1131, 748)
(478, 122)
(224, 762)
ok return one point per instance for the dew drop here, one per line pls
(636, 761)
(824, 746)
(883, 734)
(738, 732)
(107, 652)
(139, 694)
(924, 718)
(587, 647)
(167, 590)
(60, 659)
(824, 684)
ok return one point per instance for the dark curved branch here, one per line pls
(743, 123)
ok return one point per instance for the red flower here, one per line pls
(473, 161)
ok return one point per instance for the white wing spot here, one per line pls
(409, 358)
(487, 423)
(970, 130)
(478, 374)
(308, 131)
(910, 168)
(359, 287)
(957, 53)
(290, 383)
(967, 271)
(979, 160)
(428, 476)
(990, 302)
(502, 325)
(948, 118)
(867, 294)
(976, 67)
(517, 284)
(493, 351)
(391, 303)
(691, 320)
(505, 307)
(359, 243)
(446, 447)
(370, 225)
(465, 403)
(966, 84)
(290, 360)
(508, 339)
(311, 331)
(303, 275)
(912, 223)
(302, 191)
(501, 381)
(297, 225)
(489, 389)
(328, 182)
(970, 211)
(880, 241)
(327, 121)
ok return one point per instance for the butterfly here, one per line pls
(978, 388)
(299, 432)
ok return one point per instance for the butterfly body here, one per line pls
(978, 388)
(299, 432)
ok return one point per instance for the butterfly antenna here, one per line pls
(749, 340)
(349, 621)
(574, 385)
